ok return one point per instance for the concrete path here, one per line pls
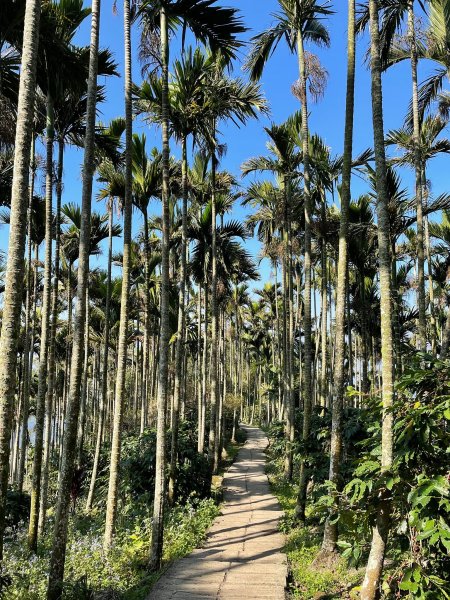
(242, 556)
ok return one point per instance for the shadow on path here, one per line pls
(242, 557)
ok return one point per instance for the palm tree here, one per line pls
(435, 49)
(217, 27)
(111, 509)
(27, 366)
(114, 188)
(375, 562)
(232, 259)
(105, 355)
(362, 256)
(419, 182)
(57, 559)
(236, 100)
(69, 111)
(393, 51)
(67, 18)
(268, 199)
(330, 531)
(199, 183)
(188, 89)
(429, 146)
(188, 108)
(146, 185)
(12, 300)
(298, 22)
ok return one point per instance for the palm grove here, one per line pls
(136, 373)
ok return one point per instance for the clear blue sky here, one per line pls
(327, 116)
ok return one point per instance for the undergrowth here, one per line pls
(123, 573)
(417, 487)
(308, 580)
(90, 573)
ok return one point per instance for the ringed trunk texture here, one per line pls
(104, 378)
(330, 536)
(324, 310)
(200, 432)
(214, 329)
(179, 349)
(146, 349)
(58, 553)
(289, 334)
(12, 298)
(419, 187)
(27, 365)
(111, 508)
(307, 382)
(163, 367)
(370, 587)
(51, 347)
(45, 330)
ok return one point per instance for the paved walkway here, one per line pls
(242, 556)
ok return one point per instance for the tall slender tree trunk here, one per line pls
(84, 386)
(370, 587)
(349, 333)
(331, 530)
(422, 329)
(205, 359)
(15, 434)
(111, 506)
(57, 559)
(285, 304)
(163, 367)
(324, 309)
(433, 330)
(221, 387)
(214, 329)
(104, 378)
(200, 432)
(307, 382)
(289, 335)
(12, 298)
(146, 345)
(29, 298)
(364, 336)
(52, 344)
(179, 348)
(45, 330)
(396, 304)
(279, 354)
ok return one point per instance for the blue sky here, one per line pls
(326, 116)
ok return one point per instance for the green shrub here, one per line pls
(417, 487)
(137, 468)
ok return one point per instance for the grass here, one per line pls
(308, 579)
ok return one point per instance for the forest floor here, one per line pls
(308, 578)
(242, 556)
(123, 574)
